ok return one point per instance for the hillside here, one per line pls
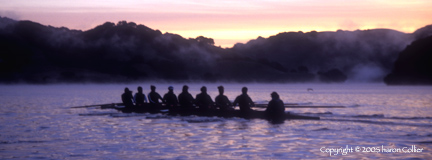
(414, 65)
(126, 52)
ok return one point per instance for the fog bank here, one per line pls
(123, 52)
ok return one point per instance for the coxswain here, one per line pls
(222, 101)
(275, 106)
(203, 100)
(127, 98)
(140, 97)
(275, 111)
(244, 101)
(170, 98)
(185, 99)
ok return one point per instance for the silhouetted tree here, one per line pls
(414, 64)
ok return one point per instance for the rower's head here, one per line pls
(244, 90)
(126, 90)
(274, 95)
(152, 88)
(204, 89)
(185, 88)
(170, 88)
(140, 89)
(221, 89)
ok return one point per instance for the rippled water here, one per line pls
(37, 122)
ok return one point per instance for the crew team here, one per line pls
(202, 100)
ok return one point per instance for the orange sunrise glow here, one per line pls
(227, 22)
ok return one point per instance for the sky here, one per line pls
(227, 21)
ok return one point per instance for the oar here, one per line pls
(95, 105)
(315, 107)
(292, 104)
(285, 104)
(299, 106)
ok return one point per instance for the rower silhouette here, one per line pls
(185, 99)
(170, 98)
(203, 100)
(222, 101)
(244, 101)
(127, 98)
(154, 98)
(140, 97)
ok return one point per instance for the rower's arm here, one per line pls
(251, 102)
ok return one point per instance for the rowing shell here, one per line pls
(209, 113)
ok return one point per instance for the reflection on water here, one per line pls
(38, 123)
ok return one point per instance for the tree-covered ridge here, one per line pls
(124, 52)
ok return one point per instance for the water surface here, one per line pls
(37, 122)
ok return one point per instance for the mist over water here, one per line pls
(38, 123)
(130, 52)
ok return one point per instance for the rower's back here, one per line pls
(127, 98)
(222, 101)
(185, 99)
(244, 101)
(170, 98)
(203, 100)
(140, 97)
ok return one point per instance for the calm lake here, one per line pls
(379, 122)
